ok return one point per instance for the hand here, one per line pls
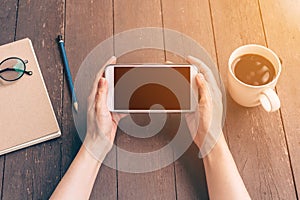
(101, 124)
(210, 109)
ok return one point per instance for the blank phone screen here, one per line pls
(156, 88)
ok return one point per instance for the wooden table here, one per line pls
(265, 146)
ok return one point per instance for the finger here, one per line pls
(118, 116)
(203, 69)
(203, 88)
(169, 62)
(101, 96)
(112, 60)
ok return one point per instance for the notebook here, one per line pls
(26, 113)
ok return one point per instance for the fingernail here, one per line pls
(190, 57)
(102, 81)
(113, 58)
(201, 77)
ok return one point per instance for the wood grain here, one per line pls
(190, 176)
(87, 24)
(8, 14)
(265, 146)
(2, 174)
(282, 29)
(193, 19)
(158, 184)
(256, 138)
(34, 172)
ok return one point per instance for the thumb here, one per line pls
(203, 88)
(101, 99)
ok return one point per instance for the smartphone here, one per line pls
(151, 88)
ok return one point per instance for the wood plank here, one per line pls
(190, 176)
(87, 24)
(158, 184)
(8, 14)
(34, 172)
(282, 29)
(256, 138)
(2, 174)
(193, 19)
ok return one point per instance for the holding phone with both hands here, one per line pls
(151, 88)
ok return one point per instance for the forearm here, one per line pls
(78, 181)
(223, 178)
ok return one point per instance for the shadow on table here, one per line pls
(189, 168)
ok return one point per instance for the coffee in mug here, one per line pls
(253, 69)
(252, 76)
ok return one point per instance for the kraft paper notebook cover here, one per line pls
(26, 113)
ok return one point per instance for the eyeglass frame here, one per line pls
(24, 72)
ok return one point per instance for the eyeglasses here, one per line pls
(13, 68)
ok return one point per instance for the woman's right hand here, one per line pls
(209, 111)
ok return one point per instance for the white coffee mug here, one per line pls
(251, 95)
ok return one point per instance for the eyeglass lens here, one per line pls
(12, 69)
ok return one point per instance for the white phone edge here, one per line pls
(109, 75)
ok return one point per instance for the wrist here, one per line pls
(88, 157)
(212, 139)
(220, 149)
(97, 146)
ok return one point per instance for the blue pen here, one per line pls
(68, 73)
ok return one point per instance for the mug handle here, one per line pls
(269, 100)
